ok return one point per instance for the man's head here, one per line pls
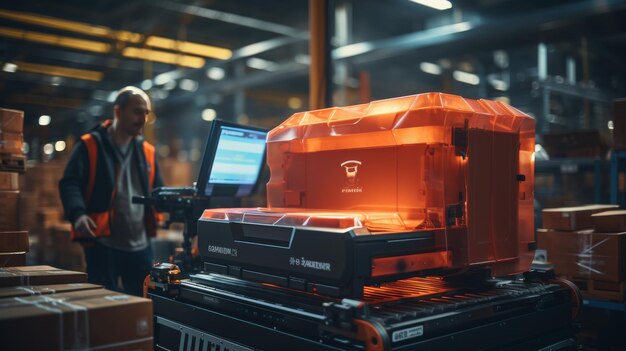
(130, 109)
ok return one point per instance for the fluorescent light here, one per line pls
(57, 40)
(162, 78)
(44, 120)
(48, 149)
(258, 63)
(209, 114)
(352, 49)
(436, 4)
(465, 77)
(188, 85)
(9, 67)
(499, 84)
(59, 146)
(216, 73)
(163, 56)
(430, 68)
(58, 71)
(189, 47)
(610, 125)
(146, 84)
(71, 26)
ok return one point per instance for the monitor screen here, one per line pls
(233, 160)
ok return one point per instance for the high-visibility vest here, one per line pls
(103, 219)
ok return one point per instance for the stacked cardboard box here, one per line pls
(11, 141)
(41, 213)
(11, 129)
(13, 242)
(588, 245)
(75, 315)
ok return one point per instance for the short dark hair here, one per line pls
(123, 96)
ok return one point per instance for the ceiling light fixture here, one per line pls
(258, 63)
(435, 4)
(465, 77)
(430, 68)
(189, 47)
(216, 73)
(44, 120)
(9, 67)
(59, 145)
(188, 85)
(165, 57)
(58, 71)
(56, 40)
(209, 114)
(72, 26)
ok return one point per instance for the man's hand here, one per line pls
(85, 226)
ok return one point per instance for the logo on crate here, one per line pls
(222, 250)
(305, 263)
(352, 169)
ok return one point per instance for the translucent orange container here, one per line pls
(427, 161)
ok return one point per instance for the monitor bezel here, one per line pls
(210, 150)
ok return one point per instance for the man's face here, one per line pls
(132, 118)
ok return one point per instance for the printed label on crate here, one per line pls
(408, 333)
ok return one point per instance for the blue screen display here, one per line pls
(238, 157)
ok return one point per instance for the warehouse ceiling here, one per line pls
(249, 58)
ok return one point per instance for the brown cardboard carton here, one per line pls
(11, 260)
(609, 221)
(11, 120)
(14, 242)
(39, 275)
(11, 143)
(16, 291)
(9, 181)
(8, 210)
(87, 319)
(572, 218)
(585, 254)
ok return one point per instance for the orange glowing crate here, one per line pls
(427, 161)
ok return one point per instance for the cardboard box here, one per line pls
(11, 143)
(9, 220)
(609, 221)
(49, 216)
(11, 121)
(17, 291)
(87, 319)
(9, 181)
(12, 260)
(572, 218)
(38, 275)
(14, 242)
(585, 254)
(28, 202)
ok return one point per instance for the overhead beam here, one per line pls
(233, 19)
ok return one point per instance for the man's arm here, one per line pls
(73, 183)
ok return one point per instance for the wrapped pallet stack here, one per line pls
(587, 245)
